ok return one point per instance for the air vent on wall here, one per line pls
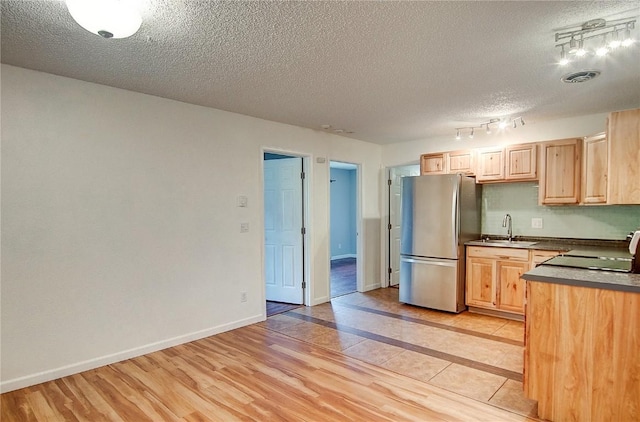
(581, 76)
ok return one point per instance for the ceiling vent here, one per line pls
(581, 76)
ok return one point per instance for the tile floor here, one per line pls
(473, 355)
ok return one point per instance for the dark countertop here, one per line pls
(610, 280)
(608, 249)
(612, 248)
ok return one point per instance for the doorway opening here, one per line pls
(284, 232)
(395, 175)
(343, 228)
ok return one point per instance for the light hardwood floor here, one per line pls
(252, 373)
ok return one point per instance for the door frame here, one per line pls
(307, 263)
(386, 221)
(360, 287)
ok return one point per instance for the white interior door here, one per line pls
(395, 217)
(283, 230)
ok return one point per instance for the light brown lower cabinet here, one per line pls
(493, 278)
(582, 353)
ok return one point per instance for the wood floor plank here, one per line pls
(248, 374)
(14, 407)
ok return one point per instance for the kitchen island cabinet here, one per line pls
(581, 358)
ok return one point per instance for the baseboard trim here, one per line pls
(40, 377)
(369, 287)
(349, 255)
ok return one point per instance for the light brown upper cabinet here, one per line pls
(560, 172)
(594, 169)
(460, 162)
(432, 164)
(490, 167)
(448, 162)
(521, 162)
(623, 132)
(512, 163)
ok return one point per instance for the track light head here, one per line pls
(471, 134)
(573, 46)
(615, 40)
(627, 40)
(563, 58)
(458, 134)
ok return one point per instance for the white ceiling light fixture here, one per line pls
(603, 36)
(502, 124)
(106, 18)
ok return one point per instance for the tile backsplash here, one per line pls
(520, 200)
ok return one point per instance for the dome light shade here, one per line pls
(107, 18)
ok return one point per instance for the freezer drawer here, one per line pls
(432, 283)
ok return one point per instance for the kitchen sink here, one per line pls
(504, 243)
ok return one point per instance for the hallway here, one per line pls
(343, 276)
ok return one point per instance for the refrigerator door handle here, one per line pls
(455, 217)
(431, 262)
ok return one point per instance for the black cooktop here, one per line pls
(591, 263)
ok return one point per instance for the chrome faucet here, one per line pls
(507, 220)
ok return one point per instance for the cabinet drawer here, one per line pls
(498, 253)
(539, 256)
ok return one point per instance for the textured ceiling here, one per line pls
(387, 71)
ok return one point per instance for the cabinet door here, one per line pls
(623, 131)
(490, 165)
(560, 175)
(460, 162)
(481, 283)
(594, 170)
(511, 288)
(432, 164)
(521, 162)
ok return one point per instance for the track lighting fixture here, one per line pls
(501, 123)
(597, 36)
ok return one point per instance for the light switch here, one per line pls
(244, 227)
(243, 201)
(536, 223)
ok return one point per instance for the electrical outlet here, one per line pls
(243, 297)
(243, 201)
(536, 223)
(244, 227)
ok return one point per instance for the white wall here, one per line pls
(120, 233)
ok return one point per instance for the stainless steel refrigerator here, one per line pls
(439, 214)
